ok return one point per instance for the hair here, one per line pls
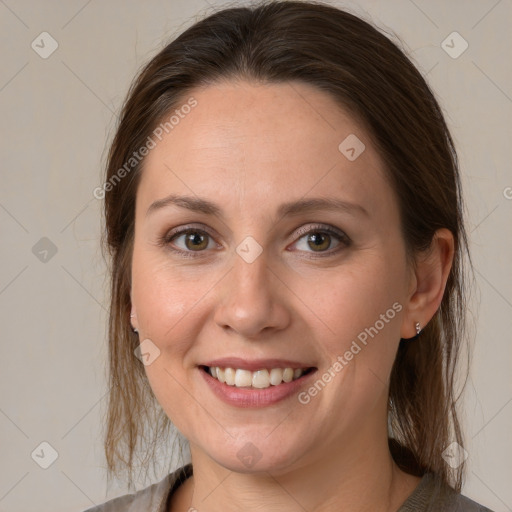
(366, 73)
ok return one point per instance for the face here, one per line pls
(317, 287)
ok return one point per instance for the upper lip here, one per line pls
(255, 364)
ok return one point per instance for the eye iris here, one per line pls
(194, 238)
(319, 240)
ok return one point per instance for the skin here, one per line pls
(249, 148)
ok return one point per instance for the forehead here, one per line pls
(258, 140)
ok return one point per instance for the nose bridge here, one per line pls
(251, 259)
(250, 284)
(250, 272)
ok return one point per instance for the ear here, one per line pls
(428, 282)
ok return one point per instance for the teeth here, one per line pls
(288, 375)
(276, 376)
(230, 374)
(243, 378)
(260, 379)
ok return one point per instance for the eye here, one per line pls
(188, 240)
(319, 239)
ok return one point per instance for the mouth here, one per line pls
(260, 379)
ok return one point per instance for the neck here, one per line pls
(354, 477)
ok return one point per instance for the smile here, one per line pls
(245, 394)
(260, 379)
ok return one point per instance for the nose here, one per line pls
(252, 299)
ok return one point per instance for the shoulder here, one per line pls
(461, 503)
(151, 499)
(433, 495)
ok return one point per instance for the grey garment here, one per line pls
(156, 498)
(433, 496)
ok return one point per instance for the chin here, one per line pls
(252, 457)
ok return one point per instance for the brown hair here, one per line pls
(366, 73)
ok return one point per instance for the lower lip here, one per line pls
(241, 397)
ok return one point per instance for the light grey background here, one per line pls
(57, 116)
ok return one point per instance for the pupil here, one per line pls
(318, 239)
(195, 240)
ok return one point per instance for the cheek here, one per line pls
(169, 309)
(161, 297)
(360, 307)
(172, 304)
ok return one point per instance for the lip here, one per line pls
(255, 364)
(255, 398)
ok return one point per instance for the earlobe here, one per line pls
(430, 276)
(133, 320)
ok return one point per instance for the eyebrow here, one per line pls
(293, 208)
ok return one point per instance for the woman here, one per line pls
(283, 214)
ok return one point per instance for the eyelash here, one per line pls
(165, 240)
